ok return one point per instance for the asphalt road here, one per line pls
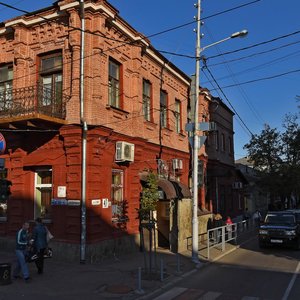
(248, 273)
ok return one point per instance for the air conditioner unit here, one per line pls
(177, 164)
(237, 185)
(124, 151)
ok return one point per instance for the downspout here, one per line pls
(84, 140)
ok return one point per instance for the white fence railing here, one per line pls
(219, 236)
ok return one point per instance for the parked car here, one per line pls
(279, 228)
(297, 214)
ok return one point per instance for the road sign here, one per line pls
(2, 144)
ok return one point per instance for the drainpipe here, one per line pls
(84, 140)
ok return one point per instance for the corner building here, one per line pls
(135, 108)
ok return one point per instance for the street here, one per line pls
(248, 273)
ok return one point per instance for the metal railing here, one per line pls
(33, 99)
(219, 236)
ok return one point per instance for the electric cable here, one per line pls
(234, 110)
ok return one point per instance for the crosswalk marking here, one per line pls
(171, 293)
(210, 296)
(181, 293)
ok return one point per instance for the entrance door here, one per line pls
(43, 193)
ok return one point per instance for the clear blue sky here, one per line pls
(259, 102)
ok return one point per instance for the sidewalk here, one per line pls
(112, 279)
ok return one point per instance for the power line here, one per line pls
(255, 45)
(262, 79)
(254, 54)
(220, 89)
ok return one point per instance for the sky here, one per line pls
(259, 83)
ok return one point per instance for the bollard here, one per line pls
(161, 270)
(139, 282)
(178, 262)
(5, 274)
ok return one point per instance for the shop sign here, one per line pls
(59, 202)
(96, 202)
(74, 202)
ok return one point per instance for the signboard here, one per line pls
(61, 192)
(73, 202)
(104, 203)
(2, 144)
(96, 202)
(59, 202)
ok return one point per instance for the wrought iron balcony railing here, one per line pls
(32, 100)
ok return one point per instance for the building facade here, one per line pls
(130, 119)
(225, 184)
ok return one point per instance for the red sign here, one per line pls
(2, 144)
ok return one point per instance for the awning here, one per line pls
(172, 189)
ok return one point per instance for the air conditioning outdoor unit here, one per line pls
(177, 164)
(237, 185)
(124, 151)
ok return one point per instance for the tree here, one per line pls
(265, 152)
(148, 203)
(277, 158)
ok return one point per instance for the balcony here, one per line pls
(35, 104)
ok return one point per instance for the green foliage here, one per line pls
(149, 197)
(276, 156)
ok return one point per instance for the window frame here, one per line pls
(147, 100)
(51, 97)
(117, 207)
(163, 108)
(114, 84)
(177, 114)
(6, 87)
(38, 187)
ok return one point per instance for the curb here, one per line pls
(203, 264)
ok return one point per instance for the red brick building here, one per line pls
(135, 107)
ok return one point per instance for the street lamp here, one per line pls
(196, 146)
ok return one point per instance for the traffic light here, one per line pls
(4, 190)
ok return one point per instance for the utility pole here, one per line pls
(195, 238)
(84, 139)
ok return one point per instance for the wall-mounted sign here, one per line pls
(73, 202)
(104, 203)
(2, 144)
(58, 202)
(96, 202)
(61, 191)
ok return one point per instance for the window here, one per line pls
(222, 142)
(4, 196)
(43, 193)
(147, 89)
(230, 148)
(51, 81)
(163, 109)
(217, 140)
(114, 84)
(177, 116)
(118, 203)
(6, 81)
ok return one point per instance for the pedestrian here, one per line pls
(229, 223)
(22, 239)
(39, 236)
(218, 222)
(257, 217)
(209, 227)
(246, 218)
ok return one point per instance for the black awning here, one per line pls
(172, 189)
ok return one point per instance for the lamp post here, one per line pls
(196, 145)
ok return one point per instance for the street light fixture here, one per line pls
(196, 146)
